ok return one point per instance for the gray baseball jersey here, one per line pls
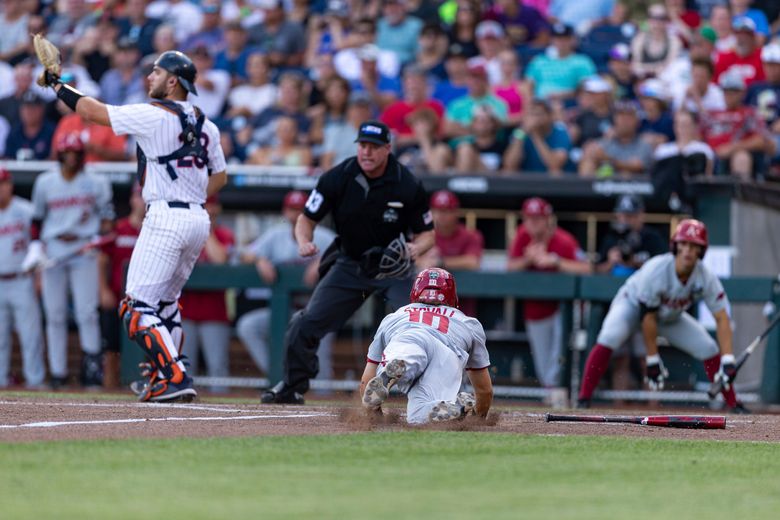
(14, 234)
(157, 131)
(656, 286)
(70, 207)
(445, 327)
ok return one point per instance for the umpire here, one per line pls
(376, 204)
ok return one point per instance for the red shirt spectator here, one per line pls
(561, 243)
(119, 252)
(720, 127)
(100, 142)
(745, 59)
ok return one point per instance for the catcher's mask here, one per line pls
(392, 261)
(434, 286)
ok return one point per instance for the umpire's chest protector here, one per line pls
(369, 213)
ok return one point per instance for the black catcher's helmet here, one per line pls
(180, 65)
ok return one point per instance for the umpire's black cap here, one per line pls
(373, 132)
(181, 66)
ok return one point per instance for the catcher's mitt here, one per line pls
(393, 261)
(49, 56)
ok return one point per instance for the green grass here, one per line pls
(413, 474)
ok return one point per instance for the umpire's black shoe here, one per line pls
(583, 404)
(281, 394)
(739, 409)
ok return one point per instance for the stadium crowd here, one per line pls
(594, 88)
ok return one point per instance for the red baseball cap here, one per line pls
(537, 207)
(5, 175)
(444, 199)
(294, 199)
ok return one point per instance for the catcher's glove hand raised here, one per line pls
(49, 56)
(393, 261)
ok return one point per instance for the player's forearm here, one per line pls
(216, 182)
(483, 390)
(724, 333)
(90, 109)
(368, 373)
(650, 333)
(575, 266)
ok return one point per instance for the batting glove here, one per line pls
(656, 372)
(35, 256)
(727, 371)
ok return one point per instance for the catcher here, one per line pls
(424, 348)
(375, 203)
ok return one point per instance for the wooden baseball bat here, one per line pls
(701, 422)
(717, 386)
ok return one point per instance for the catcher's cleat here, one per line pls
(164, 390)
(739, 409)
(378, 388)
(281, 394)
(447, 411)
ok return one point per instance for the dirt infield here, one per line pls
(26, 419)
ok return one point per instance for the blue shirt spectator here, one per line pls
(137, 26)
(398, 32)
(559, 71)
(581, 14)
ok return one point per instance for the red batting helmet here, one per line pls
(69, 143)
(693, 231)
(434, 286)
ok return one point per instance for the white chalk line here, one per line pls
(55, 424)
(184, 406)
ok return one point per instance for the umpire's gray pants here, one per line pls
(545, 337)
(19, 306)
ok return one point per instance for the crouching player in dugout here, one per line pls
(654, 299)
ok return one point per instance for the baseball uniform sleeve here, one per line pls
(377, 346)
(714, 296)
(478, 357)
(39, 199)
(421, 218)
(137, 119)
(648, 287)
(323, 197)
(217, 161)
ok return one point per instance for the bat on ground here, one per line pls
(717, 386)
(701, 422)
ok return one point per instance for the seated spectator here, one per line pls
(397, 116)
(683, 20)
(678, 76)
(580, 14)
(282, 40)
(702, 94)
(213, 85)
(339, 138)
(540, 145)
(676, 163)
(164, 39)
(327, 32)
(185, 17)
(70, 24)
(205, 323)
(557, 73)
(234, 58)
(321, 74)
(524, 24)
(332, 110)
(765, 96)
(491, 40)
(721, 22)
(463, 29)
(397, 31)
(657, 125)
(483, 150)
(347, 61)
(623, 152)
(137, 26)
(285, 151)
(210, 35)
(595, 115)
(736, 134)
(31, 137)
(617, 29)
(123, 80)
(460, 112)
(540, 245)
(456, 248)
(432, 52)
(382, 89)
(654, 49)
(23, 81)
(456, 84)
(275, 247)
(741, 8)
(510, 87)
(96, 48)
(745, 59)
(14, 37)
(620, 72)
(249, 99)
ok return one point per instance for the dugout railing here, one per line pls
(584, 299)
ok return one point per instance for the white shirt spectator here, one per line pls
(185, 16)
(253, 98)
(713, 99)
(211, 102)
(13, 34)
(347, 64)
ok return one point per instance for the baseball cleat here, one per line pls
(739, 409)
(378, 388)
(467, 401)
(447, 411)
(583, 404)
(281, 394)
(163, 390)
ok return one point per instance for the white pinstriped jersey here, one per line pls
(74, 206)
(15, 223)
(157, 131)
(657, 286)
(444, 326)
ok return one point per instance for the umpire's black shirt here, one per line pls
(370, 212)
